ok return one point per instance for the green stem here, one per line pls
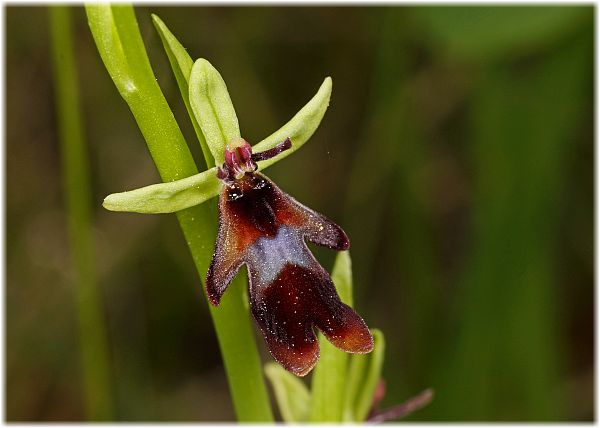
(76, 183)
(119, 42)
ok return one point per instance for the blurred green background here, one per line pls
(457, 153)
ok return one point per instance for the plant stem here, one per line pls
(119, 42)
(76, 184)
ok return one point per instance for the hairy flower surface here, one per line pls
(290, 292)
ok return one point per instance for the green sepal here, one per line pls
(169, 197)
(212, 108)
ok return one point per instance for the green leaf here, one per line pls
(181, 64)
(300, 128)
(364, 374)
(166, 197)
(212, 108)
(329, 375)
(185, 193)
(291, 394)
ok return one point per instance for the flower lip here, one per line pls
(290, 307)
